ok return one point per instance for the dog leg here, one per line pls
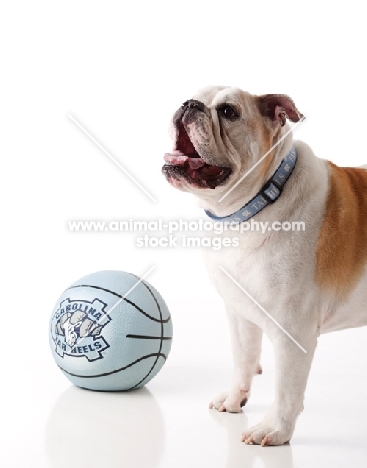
(246, 348)
(292, 369)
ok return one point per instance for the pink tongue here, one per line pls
(177, 159)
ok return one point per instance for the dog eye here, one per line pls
(228, 112)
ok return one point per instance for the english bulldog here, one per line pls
(235, 152)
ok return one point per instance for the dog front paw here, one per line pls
(232, 402)
(267, 434)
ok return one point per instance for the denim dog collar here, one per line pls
(267, 195)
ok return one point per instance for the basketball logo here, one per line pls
(76, 328)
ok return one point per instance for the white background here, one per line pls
(122, 69)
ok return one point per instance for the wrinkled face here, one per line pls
(220, 133)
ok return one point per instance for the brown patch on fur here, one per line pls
(341, 253)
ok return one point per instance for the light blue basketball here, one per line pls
(110, 331)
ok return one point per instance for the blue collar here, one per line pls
(268, 194)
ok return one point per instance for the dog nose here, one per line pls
(193, 104)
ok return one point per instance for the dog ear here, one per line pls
(278, 108)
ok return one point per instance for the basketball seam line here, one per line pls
(147, 337)
(122, 297)
(117, 370)
(162, 334)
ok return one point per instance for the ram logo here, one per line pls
(77, 326)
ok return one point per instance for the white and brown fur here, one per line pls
(311, 282)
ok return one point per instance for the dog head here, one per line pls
(221, 133)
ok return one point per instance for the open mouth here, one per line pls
(185, 162)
